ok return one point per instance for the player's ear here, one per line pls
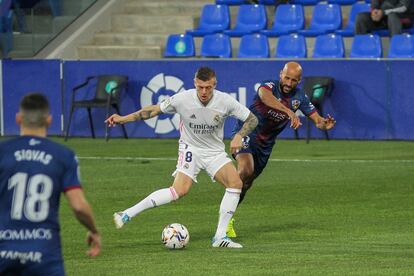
(18, 118)
(49, 120)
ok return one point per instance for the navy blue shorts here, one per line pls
(16, 267)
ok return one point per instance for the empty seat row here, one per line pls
(289, 18)
(290, 46)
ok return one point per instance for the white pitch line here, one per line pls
(270, 160)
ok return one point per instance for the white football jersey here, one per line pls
(202, 126)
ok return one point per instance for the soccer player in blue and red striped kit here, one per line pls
(34, 171)
(274, 105)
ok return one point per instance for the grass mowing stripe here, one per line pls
(270, 160)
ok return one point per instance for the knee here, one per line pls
(235, 184)
(180, 190)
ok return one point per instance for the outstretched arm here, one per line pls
(248, 126)
(83, 213)
(321, 122)
(270, 100)
(142, 114)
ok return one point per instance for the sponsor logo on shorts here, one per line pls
(186, 166)
(31, 256)
(25, 234)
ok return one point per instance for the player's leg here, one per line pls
(245, 168)
(181, 186)
(228, 176)
(187, 169)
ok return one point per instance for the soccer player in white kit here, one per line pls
(202, 111)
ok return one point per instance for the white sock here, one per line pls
(157, 198)
(227, 208)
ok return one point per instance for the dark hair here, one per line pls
(34, 108)
(205, 74)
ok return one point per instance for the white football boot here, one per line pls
(225, 242)
(120, 219)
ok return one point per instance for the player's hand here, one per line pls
(327, 123)
(94, 242)
(113, 120)
(295, 122)
(236, 144)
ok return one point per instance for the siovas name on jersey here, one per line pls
(33, 155)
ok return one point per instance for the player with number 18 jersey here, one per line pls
(34, 171)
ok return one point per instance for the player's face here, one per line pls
(205, 89)
(289, 79)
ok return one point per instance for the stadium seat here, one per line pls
(304, 2)
(329, 46)
(231, 2)
(214, 19)
(267, 2)
(216, 45)
(401, 46)
(6, 27)
(366, 46)
(107, 94)
(254, 46)
(355, 9)
(342, 2)
(179, 45)
(325, 18)
(288, 19)
(291, 46)
(250, 19)
(316, 88)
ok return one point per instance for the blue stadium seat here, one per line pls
(216, 45)
(231, 2)
(179, 45)
(401, 46)
(267, 2)
(288, 19)
(325, 18)
(291, 46)
(342, 2)
(250, 19)
(366, 46)
(355, 9)
(386, 32)
(214, 19)
(254, 46)
(304, 2)
(329, 46)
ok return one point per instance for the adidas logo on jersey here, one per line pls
(193, 116)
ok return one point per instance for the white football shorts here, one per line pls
(191, 161)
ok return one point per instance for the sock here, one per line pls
(155, 199)
(227, 208)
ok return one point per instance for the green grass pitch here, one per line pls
(324, 208)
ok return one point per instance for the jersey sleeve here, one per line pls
(169, 105)
(268, 85)
(237, 109)
(71, 178)
(306, 106)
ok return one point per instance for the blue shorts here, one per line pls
(16, 267)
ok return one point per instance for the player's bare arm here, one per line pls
(270, 100)
(83, 213)
(321, 122)
(142, 114)
(248, 126)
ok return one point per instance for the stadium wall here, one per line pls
(372, 99)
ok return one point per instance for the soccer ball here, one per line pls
(175, 236)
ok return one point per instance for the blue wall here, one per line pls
(372, 99)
